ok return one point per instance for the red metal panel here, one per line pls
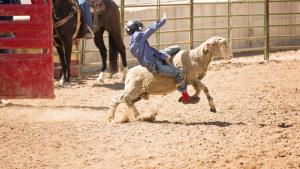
(27, 75)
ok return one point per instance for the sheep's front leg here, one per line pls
(114, 106)
(209, 98)
(196, 86)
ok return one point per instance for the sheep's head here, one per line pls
(219, 47)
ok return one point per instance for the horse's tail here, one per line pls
(113, 55)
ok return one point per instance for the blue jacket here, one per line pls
(140, 48)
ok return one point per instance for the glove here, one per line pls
(169, 59)
(164, 17)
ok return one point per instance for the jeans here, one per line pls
(87, 13)
(168, 70)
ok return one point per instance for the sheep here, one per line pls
(140, 83)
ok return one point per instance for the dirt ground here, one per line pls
(257, 124)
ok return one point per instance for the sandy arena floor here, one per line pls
(257, 124)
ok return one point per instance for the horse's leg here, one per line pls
(209, 98)
(61, 55)
(68, 43)
(118, 42)
(99, 42)
(113, 55)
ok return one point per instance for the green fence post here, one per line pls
(158, 16)
(191, 24)
(229, 21)
(267, 31)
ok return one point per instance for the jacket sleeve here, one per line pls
(152, 28)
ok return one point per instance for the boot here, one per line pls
(187, 99)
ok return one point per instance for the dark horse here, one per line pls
(108, 19)
(65, 16)
(69, 24)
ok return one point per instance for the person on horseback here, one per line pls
(84, 4)
(151, 58)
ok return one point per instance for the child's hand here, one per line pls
(164, 17)
(169, 59)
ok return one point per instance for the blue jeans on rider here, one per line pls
(87, 12)
(168, 70)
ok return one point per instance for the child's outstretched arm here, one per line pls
(152, 28)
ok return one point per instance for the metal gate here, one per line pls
(27, 75)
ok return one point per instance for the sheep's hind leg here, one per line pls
(209, 98)
(131, 111)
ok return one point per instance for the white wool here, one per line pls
(140, 83)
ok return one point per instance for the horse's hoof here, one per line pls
(5, 102)
(100, 78)
(61, 82)
(100, 81)
(213, 110)
(110, 75)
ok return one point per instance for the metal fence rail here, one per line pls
(263, 42)
(266, 14)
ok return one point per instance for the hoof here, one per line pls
(5, 102)
(124, 120)
(213, 110)
(110, 75)
(100, 81)
(110, 119)
(193, 100)
(150, 118)
(100, 78)
(61, 82)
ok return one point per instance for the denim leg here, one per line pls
(170, 70)
(166, 70)
(87, 14)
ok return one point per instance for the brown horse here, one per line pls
(69, 24)
(108, 19)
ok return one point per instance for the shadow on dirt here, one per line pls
(71, 106)
(211, 123)
(114, 86)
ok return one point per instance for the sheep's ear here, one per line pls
(208, 47)
(221, 41)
